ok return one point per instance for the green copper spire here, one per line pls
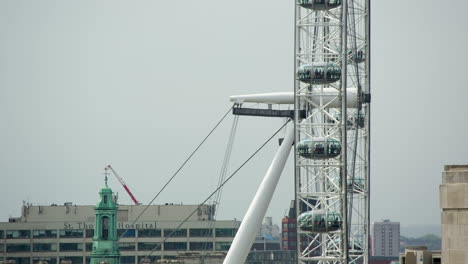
(105, 240)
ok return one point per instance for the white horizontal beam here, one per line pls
(264, 98)
(328, 97)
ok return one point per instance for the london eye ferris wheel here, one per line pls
(332, 87)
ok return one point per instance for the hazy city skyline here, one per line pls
(139, 84)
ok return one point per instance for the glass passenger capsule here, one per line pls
(355, 120)
(357, 185)
(354, 56)
(319, 148)
(319, 221)
(319, 73)
(319, 4)
(358, 120)
(358, 56)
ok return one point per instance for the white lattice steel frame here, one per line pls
(319, 37)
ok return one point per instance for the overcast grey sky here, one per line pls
(137, 84)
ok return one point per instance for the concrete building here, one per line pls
(385, 238)
(57, 233)
(454, 205)
(420, 255)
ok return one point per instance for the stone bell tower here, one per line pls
(105, 240)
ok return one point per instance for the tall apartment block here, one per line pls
(385, 238)
(454, 205)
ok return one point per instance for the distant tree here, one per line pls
(431, 241)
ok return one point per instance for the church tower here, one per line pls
(105, 240)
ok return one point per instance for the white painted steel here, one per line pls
(264, 98)
(245, 236)
(328, 96)
(339, 184)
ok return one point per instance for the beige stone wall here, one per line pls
(454, 217)
(411, 258)
(126, 213)
(454, 196)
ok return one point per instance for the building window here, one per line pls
(18, 247)
(285, 234)
(292, 225)
(1, 234)
(127, 260)
(258, 246)
(226, 232)
(201, 246)
(127, 246)
(285, 225)
(175, 246)
(89, 233)
(74, 260)
(13, 234)
(273, 246)
(222, 245)
(201, 232)
(21, 260)
(71, 247)
(128, 233)
(175, 233)
(285, 244)
(149, 246)
(105, 227)
(149, 232)
(44, 247)
(89, 247)
(71, 233)
(150, 259)
(44, 233)
(50, 260)
(2, 249)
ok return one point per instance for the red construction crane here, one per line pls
(109, 167)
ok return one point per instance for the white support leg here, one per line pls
(249, 227)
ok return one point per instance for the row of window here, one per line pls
(289, 234)
(257, 257)
(287, 244)
(141, 246)
(290, 225)
(279, 256)
(81, 260)
(79, 233)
